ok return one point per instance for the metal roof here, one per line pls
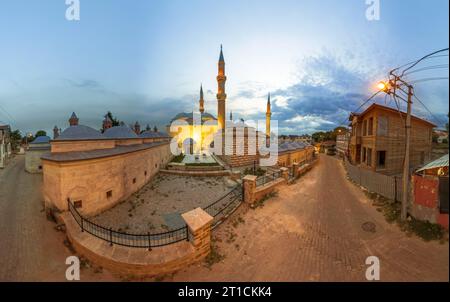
(120, 132)
(41, 140)
(438, 163)
(79, 132)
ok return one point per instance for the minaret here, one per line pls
(202, 102)
(221, 95)
(268, 115)
(73, 121)
(55, 132)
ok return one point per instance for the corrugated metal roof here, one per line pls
(438, 163)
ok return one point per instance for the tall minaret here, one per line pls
(202, 102)
(268, 115)
(221, 95)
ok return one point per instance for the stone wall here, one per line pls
(33, 163)
(103, 182)
(140, 262)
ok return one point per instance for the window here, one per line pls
(365, 128)
(145, 173)
(381, 159)
(371, 126)
(134, 180)
(364, 155)
(382, 126)
(369, 157)
(109, 194)
(40, 167)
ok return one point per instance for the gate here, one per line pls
(443, 194)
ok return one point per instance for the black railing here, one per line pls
(268, 177)
(225, 205)
(148, 240)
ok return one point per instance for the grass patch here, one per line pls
(257, 172)
(213, 257)
(178, 158)
(260, 203)
(201, 164)
(424, 229)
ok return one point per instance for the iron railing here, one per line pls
(268, 177)
(148, 240)
(225, 205)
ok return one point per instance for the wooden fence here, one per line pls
(387, 186)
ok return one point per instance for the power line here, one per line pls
(423, 58)
(442, 66)
(426, 108)
(428, 79)
(409, 63)
(365, 102)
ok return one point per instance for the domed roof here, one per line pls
(80, 132)
(189, 116)
(120, 132)
(41, 140)
(153, 134)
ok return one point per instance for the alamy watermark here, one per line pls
(373, 271)
(237, 138)
(73, 271)
(373, 10)
(73, 10)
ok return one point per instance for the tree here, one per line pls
(115, 121)
(40, 133)
(155, 129)
(16, 138)
(148, 127)
(446, 124)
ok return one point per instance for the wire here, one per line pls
(431, 57)
(365, 102)
(429, 111)
(442, 66)
(423, 58)
(428, 79)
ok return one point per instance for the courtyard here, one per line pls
(158, 206)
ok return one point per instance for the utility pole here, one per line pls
(404, 212)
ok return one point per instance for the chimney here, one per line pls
(137, 128)
(73, 121)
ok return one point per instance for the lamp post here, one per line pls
(390, 88)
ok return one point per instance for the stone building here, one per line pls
(377, 140)
(38, 147)
(202, 132)
(290, 153)
(96, 171)
(5, 144)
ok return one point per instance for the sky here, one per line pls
(144, 60)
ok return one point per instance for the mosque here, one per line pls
(195, 131)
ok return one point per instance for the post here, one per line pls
(82, 224)
(110, 237)
(149, 242)
(404, 210)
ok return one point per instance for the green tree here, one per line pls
(40, 133)
(16, 138)
(115, 121)
(155, 129)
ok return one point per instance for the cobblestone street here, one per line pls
(312, 232)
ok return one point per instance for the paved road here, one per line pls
(30, 247)
(312, 232)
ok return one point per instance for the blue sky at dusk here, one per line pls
(145, 60)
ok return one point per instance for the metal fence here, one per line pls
(225, 206)
(148, 240)
(387, 186)
(266, 178)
